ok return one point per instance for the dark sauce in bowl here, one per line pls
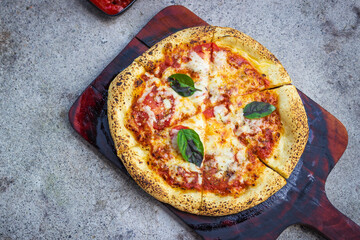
(112, 7)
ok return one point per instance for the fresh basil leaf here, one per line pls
(182, 84)
(183, 78)
(190, 146)
(255, 110)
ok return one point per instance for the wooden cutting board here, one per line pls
(302, 201)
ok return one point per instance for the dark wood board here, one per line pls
(301, 201)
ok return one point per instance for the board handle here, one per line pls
(332, 223)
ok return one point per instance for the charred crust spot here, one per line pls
(167, 46)
(274, 58)
(138, 82)
(119, 84)
(151, 65)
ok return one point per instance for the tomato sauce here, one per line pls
(247, 76)
(181, 175)
(111, 7)
(139, 118)
(137, 124)
(236, 60)
(265, 143)
(201, 49)
(174, 57)
(262, 143)
(262, 80)
(209, 113)
(162, 115)
(174, 131)
(269, 98)
(168, 62)
(220, 185)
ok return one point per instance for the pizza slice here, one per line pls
(272, 124)
(162, 171)
(234, 179)
(187, 52)
(241, 65)
(278, 139)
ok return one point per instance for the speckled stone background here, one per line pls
(54, 185)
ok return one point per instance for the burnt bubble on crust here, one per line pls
(138, 82)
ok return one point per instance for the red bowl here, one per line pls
(112, 7)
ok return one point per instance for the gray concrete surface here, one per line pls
(54, 185)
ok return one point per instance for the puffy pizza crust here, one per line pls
(260, 57)
(296, 131)
(266, 185)
(120, 98)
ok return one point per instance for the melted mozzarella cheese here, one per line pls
(167, 104)
(224, 159)
(252, 126)
(176, 165)
(182, 105)
(241, 155)
(146, 92)
(149, 86)
(220, 59)
(229, 153)
(245, 125)
(232, 178)
(151, 115)
(215, 97)
(220, 113)
(199, 96)
(197, 64)
(174, 144)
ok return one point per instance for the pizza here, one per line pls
(207, 121)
